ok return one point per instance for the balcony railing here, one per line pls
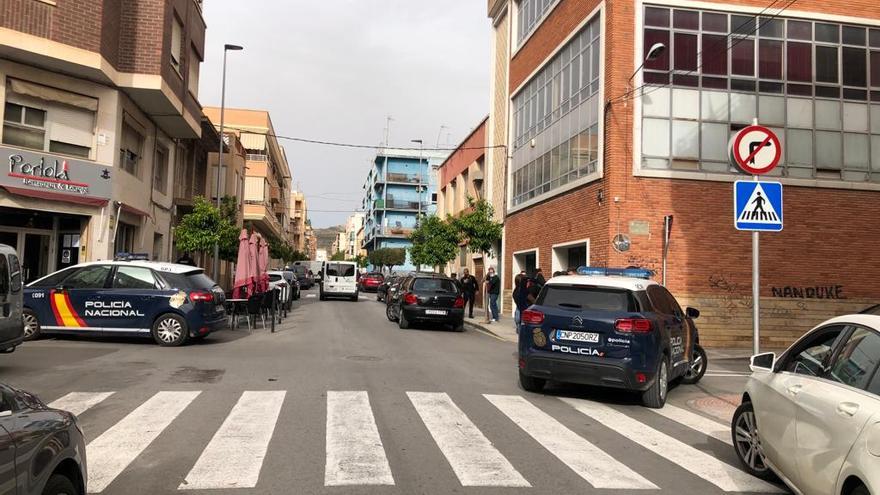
(397, 204)
(257, 158)
(404, 178)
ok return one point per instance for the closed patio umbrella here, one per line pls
(263, 264)
(253, 260)
(244, 278)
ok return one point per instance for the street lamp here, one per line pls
(226, 48)
(419, 190)
(654, 52)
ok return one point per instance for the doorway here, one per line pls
(525, 261)
(35, 257)
(68, 249)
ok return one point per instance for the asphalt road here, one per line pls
(339, 400)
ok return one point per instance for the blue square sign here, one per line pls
(757, 205)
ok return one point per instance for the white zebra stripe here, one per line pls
(355, 455)
(234, 456)
(473, 458)
(79, 402)
(720, 474)
(694, 421)
(109, 454)
(588, 461)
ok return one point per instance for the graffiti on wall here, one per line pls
(735, 298)
(643, 262)
(815, 292)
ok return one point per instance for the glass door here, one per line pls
(35, 258)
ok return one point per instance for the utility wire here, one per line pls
(762, 20)
(360, 146)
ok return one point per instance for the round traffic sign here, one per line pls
(756, 150)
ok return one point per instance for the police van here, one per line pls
(612, 328)
(172, 303)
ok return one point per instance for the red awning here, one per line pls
(55, 196)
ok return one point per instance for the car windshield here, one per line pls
(274, 277)
(587, 298)
(340, 270)
(189, 280)
(441, 285)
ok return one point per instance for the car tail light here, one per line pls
(532, 317)
(201, 296)
(459, 302)
(410, 298)
(522, 363)
(633, 325)
(641, 378)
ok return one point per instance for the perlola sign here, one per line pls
(44, 173)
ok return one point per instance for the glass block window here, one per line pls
(816, 83)
(556, 117)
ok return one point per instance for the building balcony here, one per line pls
(263, 218)
(398, 204)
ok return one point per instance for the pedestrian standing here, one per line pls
(539, 278)
(519, 296)
(493, 287)
(186, 259)
(469, 287)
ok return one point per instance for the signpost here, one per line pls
(757, 205)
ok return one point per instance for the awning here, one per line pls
(54, 196)
(134, 211)
(51, 94)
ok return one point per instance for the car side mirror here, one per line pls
(692, 313)
(763, 362)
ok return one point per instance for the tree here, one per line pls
(205, 226)
(338, 256)
(362, 261)
(229, 209)
(477, 227)
(434, 242)
(388, 257)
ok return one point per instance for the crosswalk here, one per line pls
(355, 452)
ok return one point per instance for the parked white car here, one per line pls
(812, 415)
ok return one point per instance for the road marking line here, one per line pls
(79, 402)
(588, 461)
(720, 474)
(355, 455)
(696, 422)
(310, 296)
(472, 456)
(234, 457)
(732, 375)
(116, 448)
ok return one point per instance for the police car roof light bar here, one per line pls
(132, 257)
(616, 272)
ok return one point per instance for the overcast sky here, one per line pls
(333, 70)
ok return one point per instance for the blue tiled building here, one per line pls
(400, 185)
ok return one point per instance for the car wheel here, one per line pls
(321, 296)
(355, 297)
(169, 330)
(697, 366)
(655, 396)
(59, 485)
(31, 325)
(531, 384)
(389, 313)
(747, 442)
(860, 490)
(402, 322)
(458, 327)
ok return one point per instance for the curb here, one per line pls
(485, 328)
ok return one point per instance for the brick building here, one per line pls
(100, 107)
(600, 146)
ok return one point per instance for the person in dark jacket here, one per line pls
(520, 296)
(539, 278)
(186, 260)
(493, 287)
(469, 288)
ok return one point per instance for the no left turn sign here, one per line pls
(756, 150)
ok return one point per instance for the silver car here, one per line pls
(11, 324)
(812, 415)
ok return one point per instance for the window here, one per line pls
(857, 360)
(584, 298)
(125, 235)
(134, 277)
(440, 285)
(811, 357)
(90, 277)
(55, 279)
(160, 170)
(4, 276)
(530, 13)
(132, 145)
(176, 42)
(340, 270)
(24, 126)
(193, 72)
(801, 78)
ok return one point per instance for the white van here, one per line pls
(339, 279)
(11, 323)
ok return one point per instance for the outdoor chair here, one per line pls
(255, 308)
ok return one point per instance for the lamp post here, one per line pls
(226, 48)
(419, 190)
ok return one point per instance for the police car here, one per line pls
(170, 302)
(612, 328)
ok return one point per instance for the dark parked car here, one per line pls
(304, 277)
(386, 285)
(370, 282)
(43, 446)
(427, 298)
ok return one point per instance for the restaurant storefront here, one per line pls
(53, 209)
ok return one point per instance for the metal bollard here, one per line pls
(274, 303)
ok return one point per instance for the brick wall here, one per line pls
(143, 35)
(27, 16)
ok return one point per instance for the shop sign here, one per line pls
(38, 171)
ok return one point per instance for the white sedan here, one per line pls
(812, 415)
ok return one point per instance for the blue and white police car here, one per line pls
(609, 327)
(170, 302)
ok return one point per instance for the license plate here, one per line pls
(588, 337)
(441, 312)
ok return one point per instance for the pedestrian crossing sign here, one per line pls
(757, 205)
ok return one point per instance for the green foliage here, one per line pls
(338, 256)
(282, 250)
(207, 225)
(362, 261)
(435, 242)
(478, 228)
(388, 257)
